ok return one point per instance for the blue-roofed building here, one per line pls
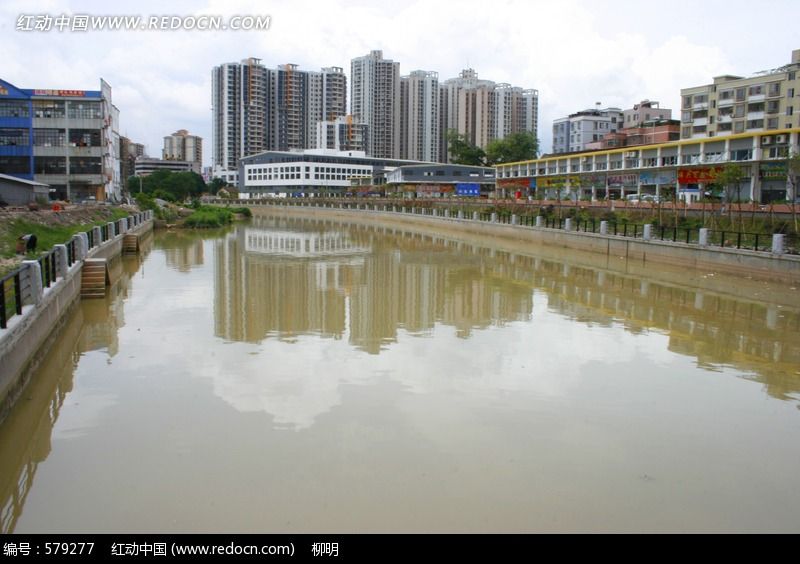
(68, 139)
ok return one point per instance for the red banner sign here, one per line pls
(514, 182)
(72, 93)
(698, 175)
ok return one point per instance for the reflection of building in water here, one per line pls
(183, 252)
(413, 286)
(300, 245)
(415, 280)
(717, 330)
(258, 296)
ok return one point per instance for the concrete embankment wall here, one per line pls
(27, 337)
(636, 254)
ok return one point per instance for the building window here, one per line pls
(49, 137)
(789, 110)
(48, 108)
(687, 101)
(15, 165)
(740, 94)
(742, 155)
(773, 107)
(85, 110)
(774, 89)
(14, 108)
(50, 165)
(12, 137)
(772, 123)
(739, 111)
(84, 137)
(755, 90)
(755, 124)
(778, 152)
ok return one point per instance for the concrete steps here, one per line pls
(94, 278)
(130, 244)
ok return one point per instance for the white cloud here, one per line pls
(574, 52)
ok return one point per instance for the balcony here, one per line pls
(728, 118)
(700, 106)
(726, 103)
(700, 122)
(756, 98)
(755, 115)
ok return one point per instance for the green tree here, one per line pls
(463, 152)
(793, 179)
(177, 185)
(215, 185)
(729, 179)
(520, 146)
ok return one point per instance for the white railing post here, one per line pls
(61, 260)
(703, 238)
(778, 241)
(34, 275)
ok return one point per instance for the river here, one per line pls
(298, 375)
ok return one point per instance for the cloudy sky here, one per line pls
(575, 52)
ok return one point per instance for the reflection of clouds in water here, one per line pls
(303, 384)
(85, 405)
(297, 382)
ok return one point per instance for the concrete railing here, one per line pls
(27, 285)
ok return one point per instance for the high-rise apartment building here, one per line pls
(420, 136)
(68, 139)
(180, 146)
(734, 104)
(574, 132)
(240, 112)
(342, 134)
(482, 110)
(256, 109)
(375, 101)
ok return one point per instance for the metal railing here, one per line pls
(760, 242)
(16, 287)
(10, 297)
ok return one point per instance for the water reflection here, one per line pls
(275, 278)
(528, 392)
(25, 437)
(183, 249)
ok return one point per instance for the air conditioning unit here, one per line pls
(766, 140)
(781, 139)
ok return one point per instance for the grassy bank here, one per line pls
(209, 216)
(52, 228)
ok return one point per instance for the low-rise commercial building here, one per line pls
(680, 169)
(145, 166)
(68, 139)
(308, 173)
(437, 180)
